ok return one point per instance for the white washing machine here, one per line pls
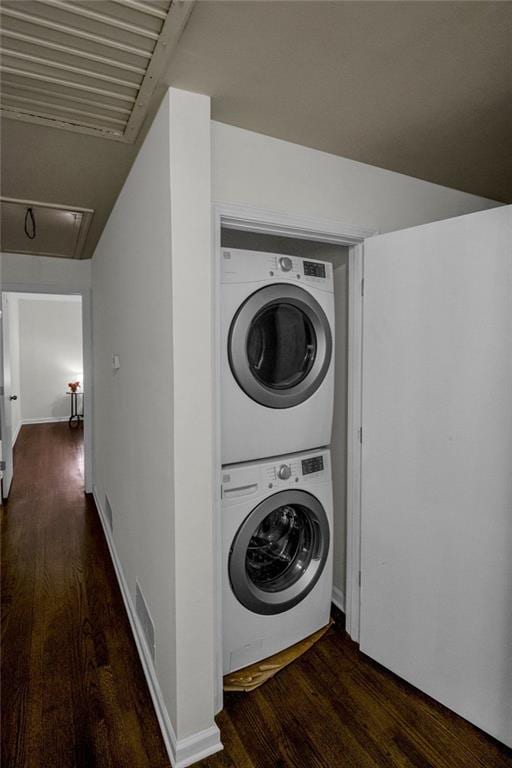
(276, 554)
(277, 354)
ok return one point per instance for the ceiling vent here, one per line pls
(43, 229)
(85, 65)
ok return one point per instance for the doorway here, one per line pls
(245, 228)
(43, 374)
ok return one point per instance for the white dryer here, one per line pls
(277, 321)
(276, 554)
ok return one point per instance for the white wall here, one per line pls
(153, 417)
(50, 354)
(193, 348)
(42, 271)
(249, 169)
(152, 285)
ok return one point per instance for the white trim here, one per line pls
(39, 204)
(354, 446)
(86, 294)
(196, 747)
(45, 420)
(16, 432)
(182, 752)
(278, 223)
(69, 297)
(217, 461)
(282, 224)
(88, 388)
(338, 598)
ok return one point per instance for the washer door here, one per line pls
(280, 345)
(279, 552)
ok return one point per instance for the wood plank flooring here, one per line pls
(74, 694)
(73, 690)
(335, 708)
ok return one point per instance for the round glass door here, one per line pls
(279, 552)
(280, 549)
(280, 345)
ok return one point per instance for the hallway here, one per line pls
(74, 694)
(73, 691)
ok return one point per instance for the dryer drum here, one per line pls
(280, 345)
(279, 552)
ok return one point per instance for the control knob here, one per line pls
(285, 263)
(284, 472)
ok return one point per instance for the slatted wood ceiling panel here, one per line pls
(84, 65)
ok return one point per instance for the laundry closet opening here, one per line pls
(338, 256)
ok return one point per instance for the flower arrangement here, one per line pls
(73, 385)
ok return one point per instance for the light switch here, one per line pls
(116, 363)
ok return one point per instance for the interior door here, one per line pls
(436, 578)
(5, 398)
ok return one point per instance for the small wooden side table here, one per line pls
(76, 417)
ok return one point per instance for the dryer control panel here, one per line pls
(314, 269)
(239, 266)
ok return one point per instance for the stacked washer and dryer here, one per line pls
(277, 321)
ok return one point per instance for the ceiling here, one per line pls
(422, 88)
(84, 66)
(43, 230)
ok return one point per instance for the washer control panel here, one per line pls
(282, 473)
(295, 469)
(254, 479)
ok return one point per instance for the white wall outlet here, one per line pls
(116, 362)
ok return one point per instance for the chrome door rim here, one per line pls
(266, 602)
(237, 345)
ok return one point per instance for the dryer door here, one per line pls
(279, 552)
(280, 345)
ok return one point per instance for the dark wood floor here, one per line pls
(335, 708)
(73, 691)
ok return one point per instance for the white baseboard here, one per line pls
(196, 747)
(338, 598)
(182, 752)
(16, 432)
(45, 420)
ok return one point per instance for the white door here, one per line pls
(436, 580)
(5, 398)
